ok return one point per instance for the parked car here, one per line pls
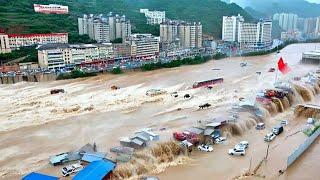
(260, 126)
(68, 170)
(238, 152)
(277, 130)
(242, 145)
(284, 122)
(205, 148)
(269, 137)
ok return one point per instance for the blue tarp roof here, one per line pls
(38, 176)
(90, 157)
(95, 170)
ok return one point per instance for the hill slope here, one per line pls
(17, 16)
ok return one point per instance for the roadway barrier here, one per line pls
(304, 146)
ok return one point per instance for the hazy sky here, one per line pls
(314, 1)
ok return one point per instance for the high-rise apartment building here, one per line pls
(309, 26)
(230, 27)
(287, 21)
(189, 34)
(235, 29)
(104, 29)
(255, 34)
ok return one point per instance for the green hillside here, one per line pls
(17, 16)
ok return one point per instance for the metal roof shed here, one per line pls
(196, 130)
(90, 157)
(38, 176)
(96, 170)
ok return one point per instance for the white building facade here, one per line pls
(51, 9)
(143, 46)
(230, 25)
(154, 17)
(57, 56)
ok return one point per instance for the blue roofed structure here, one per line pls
(93, 156)
(38, 176)
(96, 170)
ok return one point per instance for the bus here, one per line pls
(207, 83)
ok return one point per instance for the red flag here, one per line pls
(283, 67)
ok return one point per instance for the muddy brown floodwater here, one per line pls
(35, 125)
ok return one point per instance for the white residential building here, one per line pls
(56, 56)
(154, 17)
(143, 46)
(230, 27)
(255, 34)
(51, 9)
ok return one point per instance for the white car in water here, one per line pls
(269, 137)
(205, 148)
(242, 145)
(238, 152)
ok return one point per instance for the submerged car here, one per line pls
(269, 137)
(205, 148)
(242, 145)
(238, 152)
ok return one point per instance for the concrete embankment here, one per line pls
(28, 78)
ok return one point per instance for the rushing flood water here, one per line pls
(35, 125)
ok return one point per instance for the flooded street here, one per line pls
(35, 125)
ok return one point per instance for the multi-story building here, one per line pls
(9, 42)
(143, 45)
(287, 21)
(189, 34)
(56, 56)
(317, 31)
(168, 31)
(255, 34)
(230, 27)
(20, 40)
(265, 33)
(4, 43)
(51, 9)
(101, 31)
(104, 29)
(235, 29)
(309, 27)
(292, 35)
(154, 17)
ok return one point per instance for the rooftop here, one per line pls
(95, 170)
(38, 176)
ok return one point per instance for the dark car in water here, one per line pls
(277, 130)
